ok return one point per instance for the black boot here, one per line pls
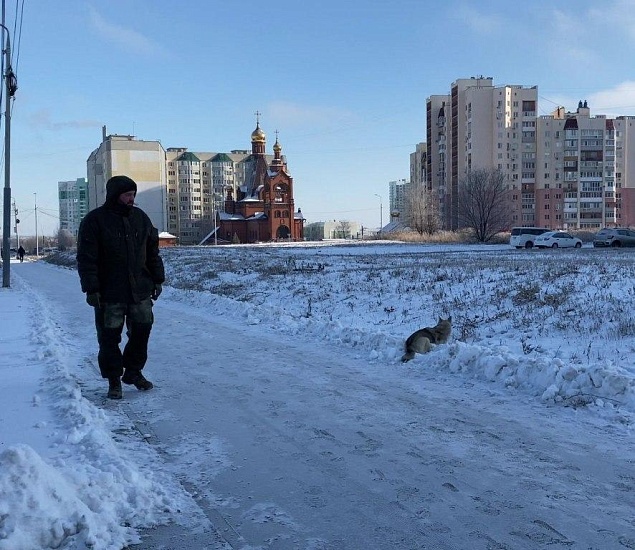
(137, 379)
(114, 388)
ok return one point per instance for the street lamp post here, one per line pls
(381, 213)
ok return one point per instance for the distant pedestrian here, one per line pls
(21, 253)
(121, 272)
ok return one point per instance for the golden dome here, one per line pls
(277, 146)
(258, 134)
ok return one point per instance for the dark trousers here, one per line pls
(109, 321)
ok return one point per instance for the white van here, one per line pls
(525, 237)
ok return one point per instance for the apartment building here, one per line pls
(397, 193)
(143, 161)
(479, 125)
(567, 170)
(73, 203)
(197, 184)
(418, 164)
(182, 191)
(624, 170)
(336, 229)
(584, 166)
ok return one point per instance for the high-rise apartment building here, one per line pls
(418, 165)
(479, 126)
(397, 192)
(73, 203)
(567, 170)
(585, 175)
(143, 161)
(624, 170)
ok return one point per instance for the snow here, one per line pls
(282, 416)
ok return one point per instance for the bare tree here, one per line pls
(343, 229)
(29, 244)
(484, 203)
(314, 231)
(65, 239)
(422, 209)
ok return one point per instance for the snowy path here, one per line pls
(304, 444)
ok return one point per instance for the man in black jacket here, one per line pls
(121, 272)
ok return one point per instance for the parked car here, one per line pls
(525, 237)
(557, 239)
(614, 237)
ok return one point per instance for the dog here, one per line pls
(422, 340)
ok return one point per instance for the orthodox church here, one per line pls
(263, 208)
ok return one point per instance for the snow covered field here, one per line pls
(282, 417)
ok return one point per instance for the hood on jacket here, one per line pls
(117, 185)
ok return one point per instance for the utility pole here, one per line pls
(37, 240)
(10, 89)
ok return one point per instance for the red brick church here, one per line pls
(263, 209)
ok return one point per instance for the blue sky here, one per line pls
(344, 83)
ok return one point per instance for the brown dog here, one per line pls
(422, 340)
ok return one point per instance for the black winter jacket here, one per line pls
(118, 253)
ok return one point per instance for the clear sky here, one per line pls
(344, 83)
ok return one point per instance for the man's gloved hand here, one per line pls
(93, 299)
(157, 291)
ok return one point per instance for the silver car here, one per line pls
(614, 237)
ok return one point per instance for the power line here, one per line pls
(12, 74)
(313, 212)
(19, 40)
(42, 211)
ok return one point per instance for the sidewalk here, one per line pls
(69, 470)
(21, 370)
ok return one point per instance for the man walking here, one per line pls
(121, 272)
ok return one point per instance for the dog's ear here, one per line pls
(450, 319)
